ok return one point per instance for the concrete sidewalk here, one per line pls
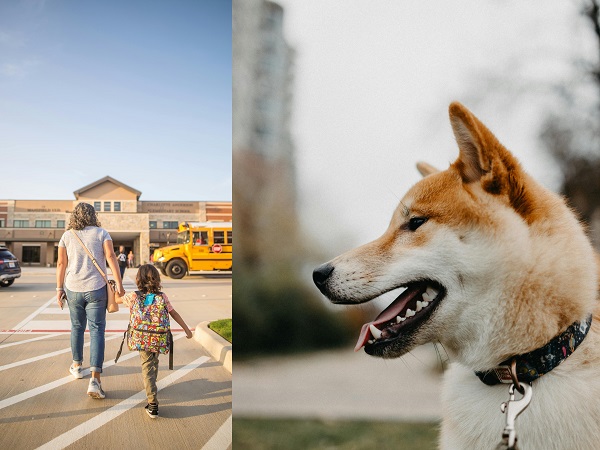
(340, 384)
(219, 348)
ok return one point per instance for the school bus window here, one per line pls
(183, 237)
(200, 238)
(230, 237)
(219, 237)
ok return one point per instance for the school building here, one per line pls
(31, 229)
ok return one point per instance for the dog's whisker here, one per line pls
(443, 361)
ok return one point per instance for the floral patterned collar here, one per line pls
(530, 366)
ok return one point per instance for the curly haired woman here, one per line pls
(84, 288)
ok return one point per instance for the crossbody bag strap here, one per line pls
(91, 257)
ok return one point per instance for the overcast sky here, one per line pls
(373, 81)
(139, 90)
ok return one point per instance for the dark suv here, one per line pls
(9, 267)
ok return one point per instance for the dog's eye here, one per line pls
(416, 222)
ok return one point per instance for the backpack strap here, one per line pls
(171, 343)
(171, 348)
(121, 347)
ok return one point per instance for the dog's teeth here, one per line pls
(419, 306)
(374, 331)
(425, 304)
(432, 292)
(400, 319)
(371, 341)
(410, 313)
(426, 297)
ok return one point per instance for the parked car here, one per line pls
(9, 267)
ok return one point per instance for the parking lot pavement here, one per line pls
(42, 406)
(340, 384)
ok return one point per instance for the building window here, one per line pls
(230, 237)
(43, 224)
(153, 224)
(21, 223)
(106, 206)
(60, 224)
(117, 207)
(97, 206)
(31, 253)
(2, 223)
(170, 225)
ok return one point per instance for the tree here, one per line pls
(573, 135)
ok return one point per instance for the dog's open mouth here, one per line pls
(411, 308)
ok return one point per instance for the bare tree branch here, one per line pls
(592, 12)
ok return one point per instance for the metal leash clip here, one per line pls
(512, 408)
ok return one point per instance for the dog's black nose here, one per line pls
(321, 274)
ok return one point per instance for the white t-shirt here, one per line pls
(81, 274)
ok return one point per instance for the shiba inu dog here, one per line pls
(499, 271)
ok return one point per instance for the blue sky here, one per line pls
(138, 90)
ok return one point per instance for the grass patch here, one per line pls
(222, 328)
(292, 434)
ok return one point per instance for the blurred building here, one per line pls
(31, 229)
(262, 80)
(263, 151)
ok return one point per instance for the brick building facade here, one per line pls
(31, 229)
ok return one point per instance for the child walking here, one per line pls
(147, 307)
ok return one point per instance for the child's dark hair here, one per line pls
(148, 279)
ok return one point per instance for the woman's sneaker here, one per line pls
(95, 389)
(152, 410)
(76, 371)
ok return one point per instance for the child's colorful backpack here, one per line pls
(149, 327)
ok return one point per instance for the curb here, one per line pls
(219, 348)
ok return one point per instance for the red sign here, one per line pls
(217, 248)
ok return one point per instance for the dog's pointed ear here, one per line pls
(426, 169)
(475, 142)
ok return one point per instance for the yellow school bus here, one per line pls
(200, 246)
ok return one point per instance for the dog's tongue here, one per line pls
(389, 313)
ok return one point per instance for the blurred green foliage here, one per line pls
(267, 434)
(276, 313)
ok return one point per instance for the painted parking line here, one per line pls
(39, 338)
(55, 330)
(128, 284)
(54, 384)
(35, 313)
(103, 418)
(115, 322)
(222, 438)
(48, 355)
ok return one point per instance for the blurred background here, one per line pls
(333, 104)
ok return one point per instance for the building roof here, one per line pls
(110, 179)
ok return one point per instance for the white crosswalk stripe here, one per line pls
(49, 318)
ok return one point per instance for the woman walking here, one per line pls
(84, 288)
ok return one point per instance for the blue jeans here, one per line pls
(88, 308)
